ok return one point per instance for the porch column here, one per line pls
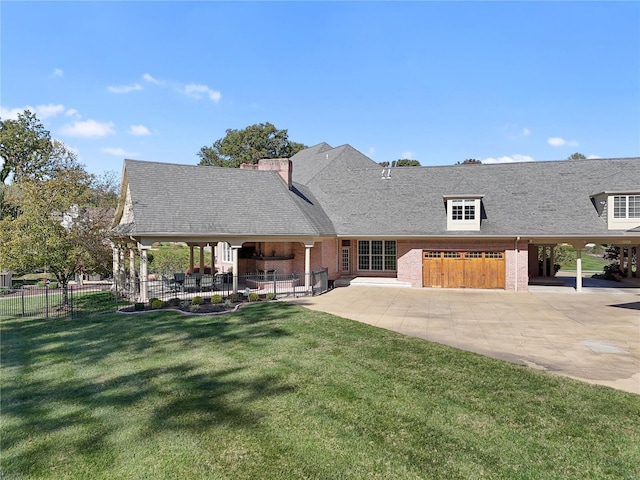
(213, 257)
(307, 267)
(578, 269)
(201, 247)
(144, 284)
(234, 254)
(191, 258)
(629, 260)
(552, 271)
(116, 263)
(132, 270)
(122, 273)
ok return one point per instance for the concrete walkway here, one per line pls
(593, 336)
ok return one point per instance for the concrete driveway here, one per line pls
(593, 336)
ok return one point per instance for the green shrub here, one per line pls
(254, 297)
(156, 304)
(53, 285)
(271, 296)
(151, 300)
(174, 302)
(236, 297)
(216, 298)
(40, 284)
(228, 303)
(194, 308)
(197, 300)
(138, 306)
(185, 304)
(4, 291)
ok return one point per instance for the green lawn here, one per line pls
(279, 392)
(592, 263)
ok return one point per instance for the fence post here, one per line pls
(46, 301)
(22, 295)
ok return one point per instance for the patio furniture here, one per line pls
(190, 284)
(206, 282)
(178, 278)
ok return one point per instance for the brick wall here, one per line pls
(410, 258)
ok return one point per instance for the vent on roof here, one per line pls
(386, 174)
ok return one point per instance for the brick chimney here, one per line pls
(283, 166)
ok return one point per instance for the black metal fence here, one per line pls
(37, 301)
(91, 299)
(262, 283)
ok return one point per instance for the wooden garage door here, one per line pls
(479, 269)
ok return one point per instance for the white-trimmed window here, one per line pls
(226, 252)
(463, 212)
(377, 255)
(626, 206)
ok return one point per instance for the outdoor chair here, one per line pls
(190, 284)
(169, 284)
(218, 281)
(206, 282)
(178, 278)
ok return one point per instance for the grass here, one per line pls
(592, 263)
(279, 392)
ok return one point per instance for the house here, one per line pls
(475, 226)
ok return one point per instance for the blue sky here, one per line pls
(434, 81)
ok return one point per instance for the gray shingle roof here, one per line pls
(536, 198)
(202, 200)
(340, 191)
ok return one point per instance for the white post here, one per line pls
(122, 273)
(132, 270)
(629, 260)
(116, 265)
(307, 267)
(234, 252)
(578, 269)
(144, 284)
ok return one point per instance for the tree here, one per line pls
(248, 146)
(54, 215)
(59, 228)
(470, 161)
(405, 162)
(576, 156)
(25, 148)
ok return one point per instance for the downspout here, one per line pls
(516, 272)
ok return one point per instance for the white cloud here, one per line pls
(512, 159)
(46, 111)
(150, 79)
(118, 152)
(371, 151)
(72, 112)
(10, 114)
(139, 130)
(593, 157)
(526, 132)
(561, 142)
(88, 129)
(197, 91)
(125, 88)
(408, 155)
(57, 73)
(41, 111)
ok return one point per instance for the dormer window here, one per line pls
(463, 212)
(626, 206)
(463, 209)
